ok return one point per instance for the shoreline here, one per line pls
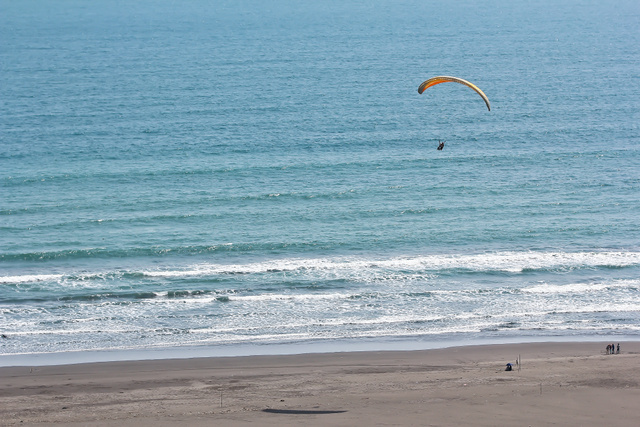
(558, 383)
(402, 344)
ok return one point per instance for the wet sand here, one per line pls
(556, 384)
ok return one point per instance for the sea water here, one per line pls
(216, 174)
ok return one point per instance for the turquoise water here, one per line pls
(227, 173)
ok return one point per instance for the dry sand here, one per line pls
(565, 384)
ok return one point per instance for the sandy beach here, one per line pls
(555, 384)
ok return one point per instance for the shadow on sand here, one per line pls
(300, 411)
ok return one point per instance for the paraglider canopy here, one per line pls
(443, 79)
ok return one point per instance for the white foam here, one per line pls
(512, 262)
(28, 278)
(291, 297)
(364, 268)
(546, 288)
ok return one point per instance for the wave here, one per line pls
(579, 288)
(420, 267)
(30, 278)
(195, 200)
(105, 253)
(509, 262)
(390, 297)
(136, 173)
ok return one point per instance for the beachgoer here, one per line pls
(618, 352)
(608, 348)
(508, 367)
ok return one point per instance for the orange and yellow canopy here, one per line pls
(443, 79)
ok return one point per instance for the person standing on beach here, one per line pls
(618, 350)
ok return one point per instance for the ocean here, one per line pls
(209, 176)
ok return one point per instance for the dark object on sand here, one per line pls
(509, 367)
(301, 411)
